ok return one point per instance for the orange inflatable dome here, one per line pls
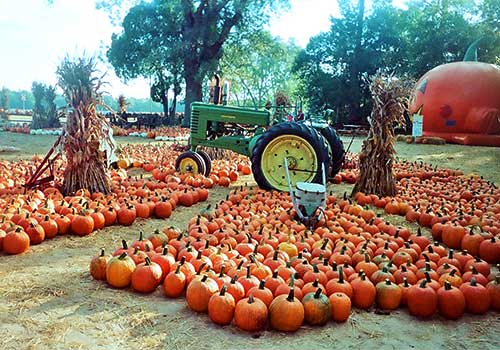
(460, 102)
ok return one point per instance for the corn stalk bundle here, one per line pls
(389, 97)
(85, 128)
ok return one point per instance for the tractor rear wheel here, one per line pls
(190, 162)
(336, 148)
(305, 149)
(208, 162)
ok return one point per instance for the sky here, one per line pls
(35, 37)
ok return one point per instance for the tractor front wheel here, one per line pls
(208, 162)
(305, 149)
(190, 162)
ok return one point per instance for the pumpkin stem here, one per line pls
(122, 256)
(447, 285)
(291, 295)
(102, 252)
(318, 293)
(473, 282)
(262, 283)
(341, 274)
(234, 279)
(405, 282)
(423, 283)
(292, 280)
(148, 261)
(250, 299)
(204, 278)
(124, 244)
(387, 282)
(275, 274)
(221, 274)
(248, 271)
(200, 268)
(315, 268)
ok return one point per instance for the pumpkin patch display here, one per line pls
(249, 249)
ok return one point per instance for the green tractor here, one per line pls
(306, 145)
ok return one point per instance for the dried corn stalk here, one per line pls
(85, 128)
(389, 96)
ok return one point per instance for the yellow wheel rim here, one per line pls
(188, 165)
(301, 156)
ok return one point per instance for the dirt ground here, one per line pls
(49, 300)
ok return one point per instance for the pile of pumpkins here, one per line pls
(29, 218)
(247, 261)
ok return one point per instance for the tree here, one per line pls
(45, 109)
(203, 27)
(4, 101)
(149, 46)
(258, 65)
(408, 42)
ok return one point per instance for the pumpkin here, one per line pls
(262, 293)
(339, 285)
(49, 227)
(174, 283)
(494, 290)
(451, 301)
(364, 292)
(452, 235)
(98, 266)
(489, 250)
(141, 243)
(16, 242)
(119, 271)
(199, 292)
(165, 260)
(477, 298)
(35, 233)
(2, 236)
(236, 289)
(388, 295)
(286, 313)
(341, 306)
(421, 300)
(82, 225)
(221, 307)
(250, 314)
(146, 276)
(126, 215)
(163, 209)
(317, 308)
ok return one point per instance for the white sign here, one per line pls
(418, 122)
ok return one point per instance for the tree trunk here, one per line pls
(164, 101)
(193, 94)
(354, 107)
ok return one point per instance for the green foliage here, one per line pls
(408, 42)
(181, 38)
(45, 109)
(150, 46)
(258, 65)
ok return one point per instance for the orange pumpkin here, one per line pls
(119, 271)
(98, 266)
(16, 242)
(146, 276)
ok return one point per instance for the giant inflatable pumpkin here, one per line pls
(460, 102)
